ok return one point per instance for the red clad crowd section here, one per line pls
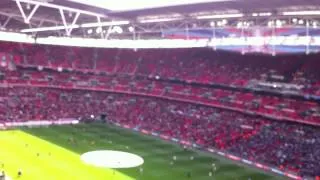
(288, 146)
(154, 72)
(51, 82)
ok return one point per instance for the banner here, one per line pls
(292, 176)
(277, 171)
(246, 161)
(164, 137)
(145, 131)
(126, 126)
(154, 134)
(39, 123)
(259, 165)
(185, 143)
(233, 157)
(211, 150)
(196, 145)
(175, 140)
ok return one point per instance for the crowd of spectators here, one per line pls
(51, 82)
(21, 104)
(279, 107)
(288, 146)
(187, 65)
(200, 65)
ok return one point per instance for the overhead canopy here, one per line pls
(127, 5)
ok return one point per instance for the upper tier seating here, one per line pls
(197, 65)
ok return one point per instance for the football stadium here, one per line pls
(159, 90)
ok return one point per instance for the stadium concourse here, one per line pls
(261, 108)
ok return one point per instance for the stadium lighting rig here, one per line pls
(220, 16)
(74, 26)
(160, 20)
(300, 13)
(54, 6)
(140, 4)
(176, 18)
(262, 14)
(186, 23)
(68, 28)
(110, 23)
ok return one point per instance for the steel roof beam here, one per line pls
(4, 25)
(73, 26)
(14, 15)
(25, 17)
(65, 23)
(54, 6)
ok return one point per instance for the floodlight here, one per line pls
(98, 30)
(300, 21)
(131, 29)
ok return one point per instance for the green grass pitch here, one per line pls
(59, 159)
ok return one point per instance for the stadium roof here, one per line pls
(167, 19)
(127, 5)
(25, 14)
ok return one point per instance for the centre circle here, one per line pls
(112, 159)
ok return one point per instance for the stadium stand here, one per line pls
(293, 147)
(239, 104)
(240, 82)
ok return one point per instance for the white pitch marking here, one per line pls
(112, 159)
